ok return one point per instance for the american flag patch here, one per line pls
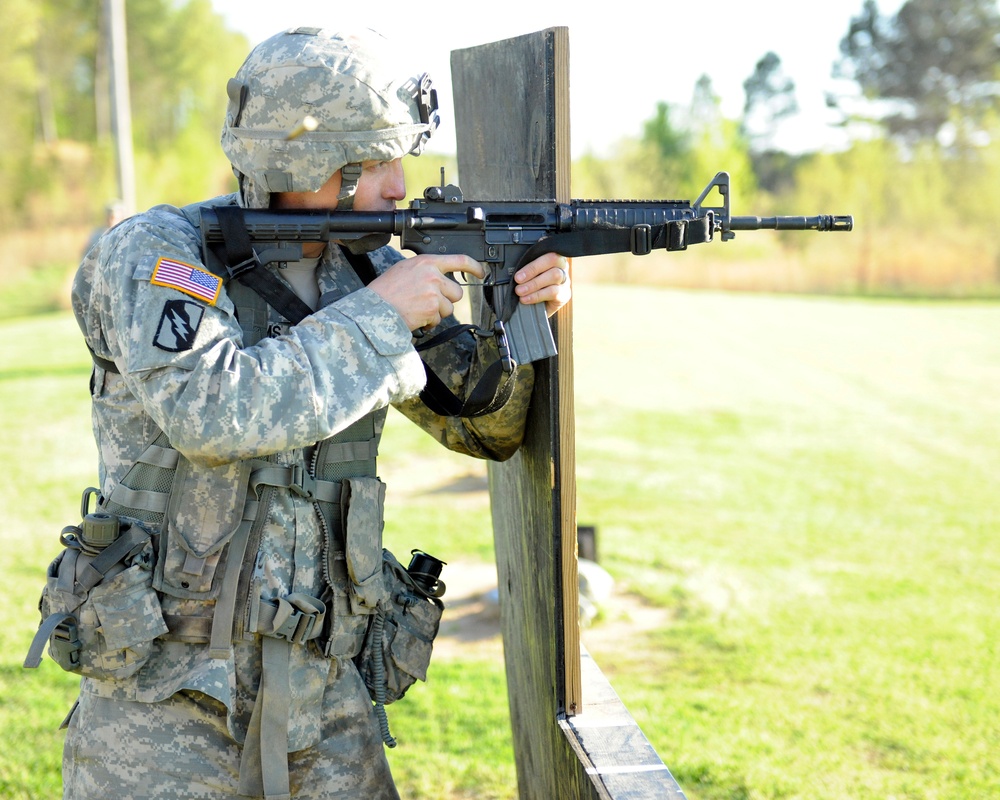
(193, 281)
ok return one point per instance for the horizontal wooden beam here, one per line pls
(614, 753)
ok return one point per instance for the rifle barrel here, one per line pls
(821, 222)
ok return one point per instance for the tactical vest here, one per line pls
(213, 564)
(210, 558)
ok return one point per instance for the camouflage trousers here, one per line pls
(181, 749)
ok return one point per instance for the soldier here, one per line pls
(246, 442)
(114, 212)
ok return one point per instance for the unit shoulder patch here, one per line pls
(187, 278)
(178, 325)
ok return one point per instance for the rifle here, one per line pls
(505, 235)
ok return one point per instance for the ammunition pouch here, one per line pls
(203, 513)
(353, 563)
(99, 611)
(362, 502)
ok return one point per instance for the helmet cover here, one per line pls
(307, 102)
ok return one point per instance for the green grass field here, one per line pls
(806, 486)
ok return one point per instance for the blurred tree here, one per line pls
(667, 141)
(933, 57)
(180, 58)
(650, 166)
(18, 87)
(770, 98)
(54, 143)
(705, 111)
(674, 159)
(716, 145)
(595, 177)
(64, 52)
(657, 166)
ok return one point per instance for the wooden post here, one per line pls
(121, 104)
(512, 123)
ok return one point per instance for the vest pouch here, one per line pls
(204, 510)
(345, 634)
(99, 611)
(362, 501)
(397, 653)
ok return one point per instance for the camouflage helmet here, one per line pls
(308, 102)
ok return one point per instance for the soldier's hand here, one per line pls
(421, 291)
(545, 280)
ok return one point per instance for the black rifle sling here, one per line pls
(236, 254)
(489, 394)
(242, 264)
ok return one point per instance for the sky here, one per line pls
(624, 58)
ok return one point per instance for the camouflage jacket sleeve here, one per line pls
(496, 436)
(144, 300)
(459, 363)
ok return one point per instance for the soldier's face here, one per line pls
(380, 187)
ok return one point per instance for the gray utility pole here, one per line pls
(121, 116)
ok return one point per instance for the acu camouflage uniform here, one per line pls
(190, 379)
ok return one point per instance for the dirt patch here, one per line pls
(470, 627)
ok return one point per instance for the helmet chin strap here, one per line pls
(350, 175)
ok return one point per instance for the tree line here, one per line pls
(919, 102)
(56, 150)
